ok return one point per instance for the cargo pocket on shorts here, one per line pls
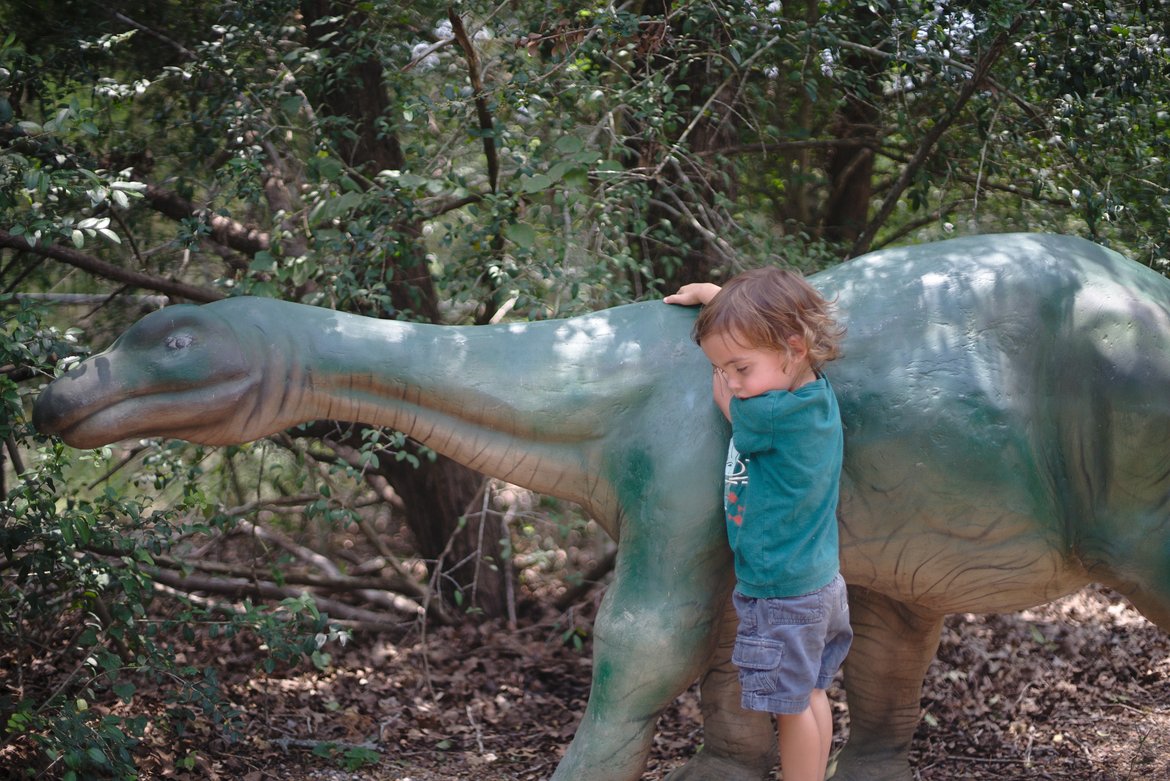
(757, 659)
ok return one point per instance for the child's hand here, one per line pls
(693, 294)
(721, 393)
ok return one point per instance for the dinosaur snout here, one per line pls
(47, 412)
(59, 402)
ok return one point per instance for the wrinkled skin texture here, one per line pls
(1007, 441)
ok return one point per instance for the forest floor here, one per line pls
(1077, 690)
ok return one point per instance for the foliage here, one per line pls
(467, 164)
(76, 590)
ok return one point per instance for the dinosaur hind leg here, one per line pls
(1154, 607)
(738, 744)
(1150, 601)
(893, 646)
(1133, 558)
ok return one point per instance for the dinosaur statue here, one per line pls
(1007, 441)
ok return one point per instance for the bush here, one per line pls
(84, 631)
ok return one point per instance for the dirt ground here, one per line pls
(1078, 690)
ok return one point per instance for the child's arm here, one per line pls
(697, 294)
(693, 294)
(721, 393)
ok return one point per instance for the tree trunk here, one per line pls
(685, 196)
(444, 510)
(850, 172)
(436, 493)
(850, 168)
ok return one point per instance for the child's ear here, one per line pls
(797, 348)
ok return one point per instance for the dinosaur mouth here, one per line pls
(203, 414)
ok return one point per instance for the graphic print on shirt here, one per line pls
(735, 478)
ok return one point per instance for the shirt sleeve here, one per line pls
(753, 423)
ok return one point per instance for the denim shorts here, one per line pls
(787, 647)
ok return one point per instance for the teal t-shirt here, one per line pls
(782, 486)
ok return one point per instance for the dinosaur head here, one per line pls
(180, 372)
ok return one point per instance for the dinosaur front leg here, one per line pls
(653, 634)
(893, 646)
(738, 744)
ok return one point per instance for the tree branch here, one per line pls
(224, 230)
(932, 137)
(771, 147)
(187, 53)
(914, 225)
(702, 112)
(486, 126)
(106, 270)
(148, 303)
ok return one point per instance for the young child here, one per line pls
(767, 333)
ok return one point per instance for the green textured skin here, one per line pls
(1007, 441)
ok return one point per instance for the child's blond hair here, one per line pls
(764, 307)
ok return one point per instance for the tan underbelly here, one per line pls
(964, 563)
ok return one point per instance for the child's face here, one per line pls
(750, 371)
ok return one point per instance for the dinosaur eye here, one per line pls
(178, 341)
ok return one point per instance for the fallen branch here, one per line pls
(243, 588)
(326, 565)
(341, 583)
(231, 610)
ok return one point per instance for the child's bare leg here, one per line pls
(803, 747)
(823, 713)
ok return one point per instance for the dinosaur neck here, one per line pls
(528, 403)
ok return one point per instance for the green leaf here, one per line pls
(537, 183)
(358, 757)
(522, 234)
(125, 691)
(573, 172)
(568, 145)
(576, 177)
(329, 168)
(262, 261)
(558, 170)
